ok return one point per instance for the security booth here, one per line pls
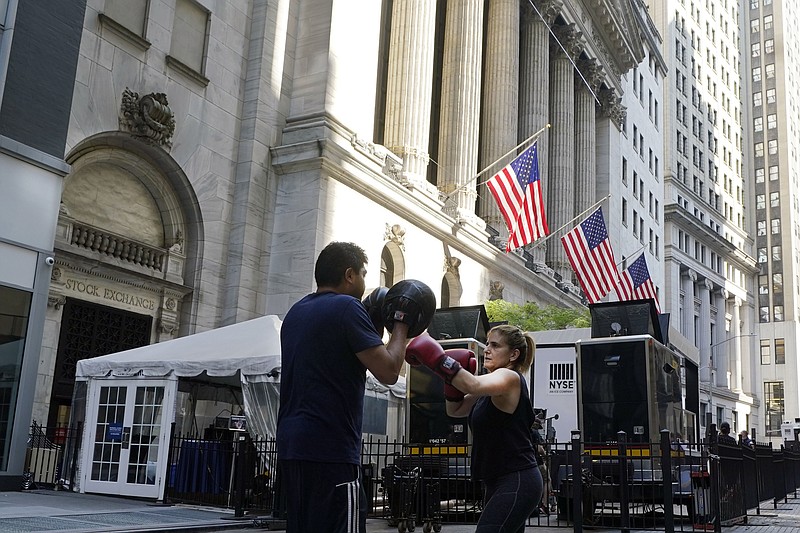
(431, 480)
(632, 387)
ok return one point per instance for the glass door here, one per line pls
(129, 431)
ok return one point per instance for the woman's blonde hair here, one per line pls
(517, 340)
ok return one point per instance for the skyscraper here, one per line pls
(708, 251)
(770, 70)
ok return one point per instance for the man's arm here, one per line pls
(385, 361)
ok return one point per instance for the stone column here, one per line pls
(671, 295)
(704, 334)
(534, 89)
(720, 352)
(561, 200)
(408, 99)
(736, 322)
(460, 106)
(689, 277)
(500, 100)
(585, 168)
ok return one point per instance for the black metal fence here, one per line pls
(52, 456)
(623, 485)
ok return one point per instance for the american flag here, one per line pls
(636, 284)
(590, 254)
(517, 190)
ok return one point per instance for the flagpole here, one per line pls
(569, 222)
(517, 147)
(474, 178)
(640, 249)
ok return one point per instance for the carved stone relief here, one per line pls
(148, 117)
(396, 234)
(496, 290)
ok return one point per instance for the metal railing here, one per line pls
(622, 485)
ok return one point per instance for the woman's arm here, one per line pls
(502, 385)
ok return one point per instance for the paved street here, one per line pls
(66, 512)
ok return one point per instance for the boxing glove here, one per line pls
(468, 362)
(423, 350)
(374, 306)
(412, 302)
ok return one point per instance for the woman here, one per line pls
(500, 416)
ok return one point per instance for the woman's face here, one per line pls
(498, 354)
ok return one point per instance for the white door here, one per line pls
(128, 436)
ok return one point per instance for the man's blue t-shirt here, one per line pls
(322, 380)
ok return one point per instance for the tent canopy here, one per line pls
(254, 347)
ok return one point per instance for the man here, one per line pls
(744, 438)
(725, 435)
(327, 342)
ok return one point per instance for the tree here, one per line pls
(531, 317)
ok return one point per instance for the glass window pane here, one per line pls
(15, 308)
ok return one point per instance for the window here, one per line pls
(132, 14)
(757, 75)
(763, 314)
(769, 46)
(777, 283)
(761, 201)
(777, 312)
(775, 224)
(759, 175)
(761, 228)
(15, 308)
(765, 352)
(757, 99)
(767, 22)
(780, 352)
(772, 121)
(773, 173)
(762, 255)
(772, 146)
(625, 171)
(777, 253)
(769, 71)
(758, 149)
(624, 212)
(770, 96)
(763, 284)
(189, 34)
(775, 199)
(755, 26)
(773, 403)
(755, 50)
(758, 124)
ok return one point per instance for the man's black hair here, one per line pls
(335, 259)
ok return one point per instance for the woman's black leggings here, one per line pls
(509, 500)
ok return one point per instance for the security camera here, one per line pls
(50, 261)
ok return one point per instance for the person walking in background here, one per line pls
(500, 416)
(725, 435)
(744, 439)
(328, 341)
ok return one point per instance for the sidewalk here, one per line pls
(67, 512)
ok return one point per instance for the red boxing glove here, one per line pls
(468, 362)
(423, 350)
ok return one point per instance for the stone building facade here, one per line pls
(214, 148)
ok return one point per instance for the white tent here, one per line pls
(252, 347)
(128, 400)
